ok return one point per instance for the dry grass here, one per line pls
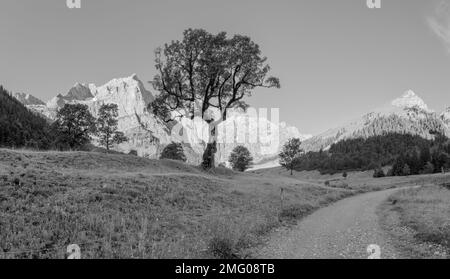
(122, 206)
(419, 219)
(358, 181)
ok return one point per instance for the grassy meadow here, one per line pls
(419, 221)
(122, 206)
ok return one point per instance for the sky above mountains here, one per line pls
(336, 60)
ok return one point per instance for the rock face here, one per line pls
(445, 116)
(145, 132)
(263, 138)
(408, 114)
(410, 100)
(35, 104)
(28, 100)
(148, 135)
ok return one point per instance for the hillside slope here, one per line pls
(122, 206)
(20, 127)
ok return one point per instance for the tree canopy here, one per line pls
(207, 71)
(290, 153)
(107, 126)
(396, 150)
(240, 158)
(173, 151)
(74, 126)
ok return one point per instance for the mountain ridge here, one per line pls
(147, 133)
(407, 114)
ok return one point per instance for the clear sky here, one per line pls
(336, 59)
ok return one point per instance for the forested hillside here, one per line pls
(375, 152)
(19, 127)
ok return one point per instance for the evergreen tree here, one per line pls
(362, 154)
(19, 127)
(107, 126)
(378, 173)
(406, 170)
(428, 169)
(240, 158)
(414, 163)
(425, 155)
(439, 160)
(173, 151)
(399, 166)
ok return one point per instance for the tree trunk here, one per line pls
(209, 160)
(209, 156)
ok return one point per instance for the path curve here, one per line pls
(343, 230)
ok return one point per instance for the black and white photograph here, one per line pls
(244, 131)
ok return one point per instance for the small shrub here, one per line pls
(378, 173)
(446, 185)
(221, 247)
(406, 170)
(16, 181)
(240, 159)
(225, 236)
(345, 175)
(390, 172)
(173, 151)
(295, 212)
(428, 168)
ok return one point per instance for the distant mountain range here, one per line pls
(406, 115)
(147, 134)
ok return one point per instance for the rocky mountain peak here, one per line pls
(409, 99)
(408, 114)
(27, 99)
(446, 116)
(148, 135)
(128, 92)
(79, 92)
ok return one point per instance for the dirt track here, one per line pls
(342, 230)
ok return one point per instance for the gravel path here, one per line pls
(341, 231)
